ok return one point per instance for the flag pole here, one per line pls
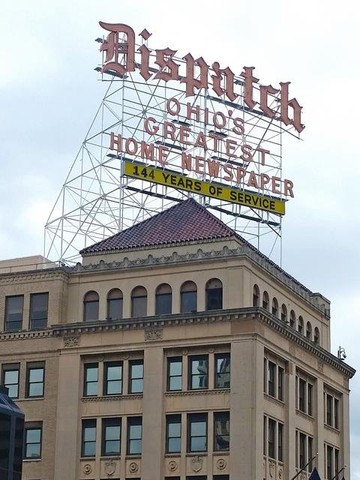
(304, 467)
(337, 473)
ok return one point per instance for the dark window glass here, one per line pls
(265, 303)
(292, 319)
(284, 313)
(221, 431)
(14, 313)
(18, 448)
(301, 325)
(173, 433)
(316, 336)
(88, 443)
(197, 432)
(35, 376)
(222, 370)
(214, 294)
(139, 302)
(163, 300)
(136, 376)
(198, 372)
(10, 379)
(275, 307)
(5, 435)
(174, 379)
(32, 442)
(271, 438)
(256, 296)
(188, 297)
(308, 330)
(271, 378)
(280, 429)
(115, 304)
(91, 377)
(134, 435)
(302, 395)
(113, 374)
(91, 306)
(39, 310)
(111, 436)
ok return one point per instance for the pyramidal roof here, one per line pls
(187, 221)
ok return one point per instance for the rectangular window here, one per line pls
(174, 377)
(221, 431)
(304, 451)
(91, 378)
(10, 379)
(197, 432)
(332, 462)
(113, 374)
(14, 313)
(88, 442)
(173, 433)
(222, 370)
(136, 376)
(134, 435)
(198, 372)
(111, 436)
(39, 310)
(273, 439)
(32, 441)
(304, 393)
(332, 409)
(35, 379)
(273, 379)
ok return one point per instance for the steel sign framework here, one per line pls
(155, 123)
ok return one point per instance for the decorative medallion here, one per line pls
(196, 464)
(72, 341)
(153, 333)
(110, 467)
(221, 464)
(87, 469)
(172, 466)
(320, 366)
(133, 467)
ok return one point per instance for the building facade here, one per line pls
(174, 351)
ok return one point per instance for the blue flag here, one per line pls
(314, 475)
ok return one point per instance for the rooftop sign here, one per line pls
(200, 125)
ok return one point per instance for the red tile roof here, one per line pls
(187, 221)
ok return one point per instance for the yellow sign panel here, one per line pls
(221, 192)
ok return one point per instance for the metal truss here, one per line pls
(97, 200)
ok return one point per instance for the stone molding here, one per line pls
(109, 398)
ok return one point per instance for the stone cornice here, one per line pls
(26, 335)
(109, 398)
(245, 251)
(196, 393)
(34, 275)
(257, 313)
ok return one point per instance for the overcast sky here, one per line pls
(49, 93)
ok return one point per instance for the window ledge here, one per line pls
(332, 429)
(274, 399)
(305, 415)
(216, 391)
(109, 398)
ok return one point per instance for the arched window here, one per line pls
(316, 336)
(256, 296)
(163, 299)
(308, 330)
(284, 316)
(139, 302)
(114, 304)
(275, 307)
(292, 319)
(91, 306)
(188, 297)
(214, 294)
(301, 325)
(265, 302)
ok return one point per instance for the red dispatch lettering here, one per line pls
(197, 75)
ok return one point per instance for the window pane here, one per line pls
(11, 382)
(173, 433)
(35, 381)
(113, 378)
(198, 374)
(39, 310)
(33, 442)
(174, 373)
(222, 430)
(136, 376)
(134, 435)
(14, 313)
(222, 365)
(88, 444)
(188, 302)
(111, 436)
(90, 379)
(197, 432)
